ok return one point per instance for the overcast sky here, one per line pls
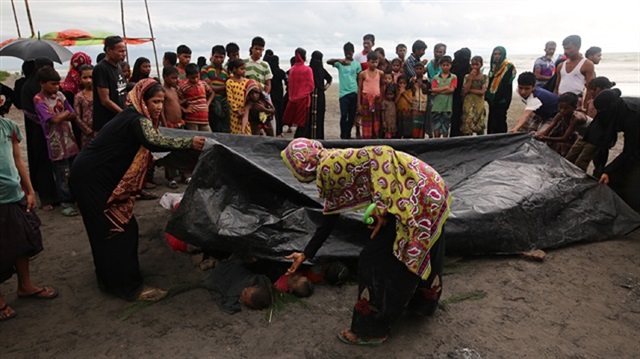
(521, 26)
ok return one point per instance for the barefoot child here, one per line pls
(561, 133)
(473, 89)
(389, 112)
(369, 100)
(419, 88)
(541, 105)
(83, 105)
(257, 110)
(20, 236)
(172, 114)
(184, 59)
(236, 86)
(404, 101)
(55, 114)
(195, 98)
(443, 86)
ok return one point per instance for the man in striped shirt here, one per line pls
(256, 68)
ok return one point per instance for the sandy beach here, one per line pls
(583, 301)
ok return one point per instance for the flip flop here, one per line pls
(150, 294)
(359, 340)
(70, 212)
(7, 313)
(43, 293)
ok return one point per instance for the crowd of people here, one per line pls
(89, 139)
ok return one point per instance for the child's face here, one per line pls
(86, 77)
(419, 70)
(145, 69)
(296, 282)
(395, 67)
(240, 71)
(184, 59)
(348, 54)
(525, 91)
(373, 65)
(171, 80)
(446, 67)
(380, 56)
(390, 96)
(476, 65)
(193, 78)
(401, 52)
(565, 109)
(166, 62)
(50, 87)
(388, 79)
(234, 55)
(155, 104)
(126, 70)
(246, 294)
(402, 83)
(254, 96)
(217, 59)
(256, 52)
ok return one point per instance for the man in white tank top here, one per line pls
(576, 72)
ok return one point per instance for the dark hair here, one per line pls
(232, 47)
(28, 68)
(337, 272)
(478, 59)
(85, 67)
(593, 50)
(100, 57)
(570, 98)
(438, 45)
(606, 99)
(183, 49)
(152, 91)
(527, 78)
(268, 53)
(549, 43)
(391, 89)
(600, 82)
(304, 290)
(399, 46)
(168, 70)
(258, 41)
(418, 45)
(372, 56)
(172, 57)
(572, 39)
(396, 60)
(302, 52)
(136, 75)
(348, 47)
(261, 298)
(111, 41)
(234, 64)
(369, 37)
(292, 60)
(445, 59)
(191, 69)
(218, 49)
(124, 64)
(202, 61)
(402, 77)
(9, 95)
(41, 62)
(47, 73)
(379, 50)
(418, 64)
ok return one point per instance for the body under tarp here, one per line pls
(511, 193)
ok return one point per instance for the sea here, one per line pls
(621, 68)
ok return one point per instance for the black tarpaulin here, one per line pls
(511, 193)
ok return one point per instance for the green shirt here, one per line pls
(348, 77)
(443, 102)
(258, 70)
(10, 190)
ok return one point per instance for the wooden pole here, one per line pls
(153, 39)
(33, 33)
(124, 33)
(15, 16)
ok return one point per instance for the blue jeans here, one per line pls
(61, 172)
(348, 108)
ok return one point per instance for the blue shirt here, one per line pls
(348, 77)
(10, 189)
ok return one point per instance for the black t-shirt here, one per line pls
(106, 75)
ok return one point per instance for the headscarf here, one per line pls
(461, 65)
(252, 85)
(302, 157)
(316, 67)
(120, 204)
(300, 81)
(399, 184)
(497, 72)
(72, 83)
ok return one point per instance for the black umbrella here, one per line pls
(30, 49)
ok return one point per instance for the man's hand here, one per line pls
(604, 179)
(198, 143)
(298, 259)
(31, 202)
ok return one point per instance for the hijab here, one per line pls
(498, 70)
(73, 82)
(300, 80)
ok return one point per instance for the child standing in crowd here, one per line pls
(540, 105)
(401, 52)
(473, 89)
(55, 115)
(396, 69)
(172, 114)
(419, 88)
(443, 86)
(348, 71)
(562, 131)
(256, 69)
(184, 59)
(404, 103)
(389, 127)
(169, 59)
(126, 70)
(83, 105)
(236, 86)
(387, 80)
(195, 97)
(369, 100)
(257, 110)
(216, 76)
(141, 69)
(20, 236)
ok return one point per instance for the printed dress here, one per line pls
(473, 112)
(236, 96)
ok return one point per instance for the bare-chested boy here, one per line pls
(172, 113)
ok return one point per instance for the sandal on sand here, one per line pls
(43, 293)
(70, 211)
(348, 337)
(150, 294)
(172, 184)
(7, 313)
